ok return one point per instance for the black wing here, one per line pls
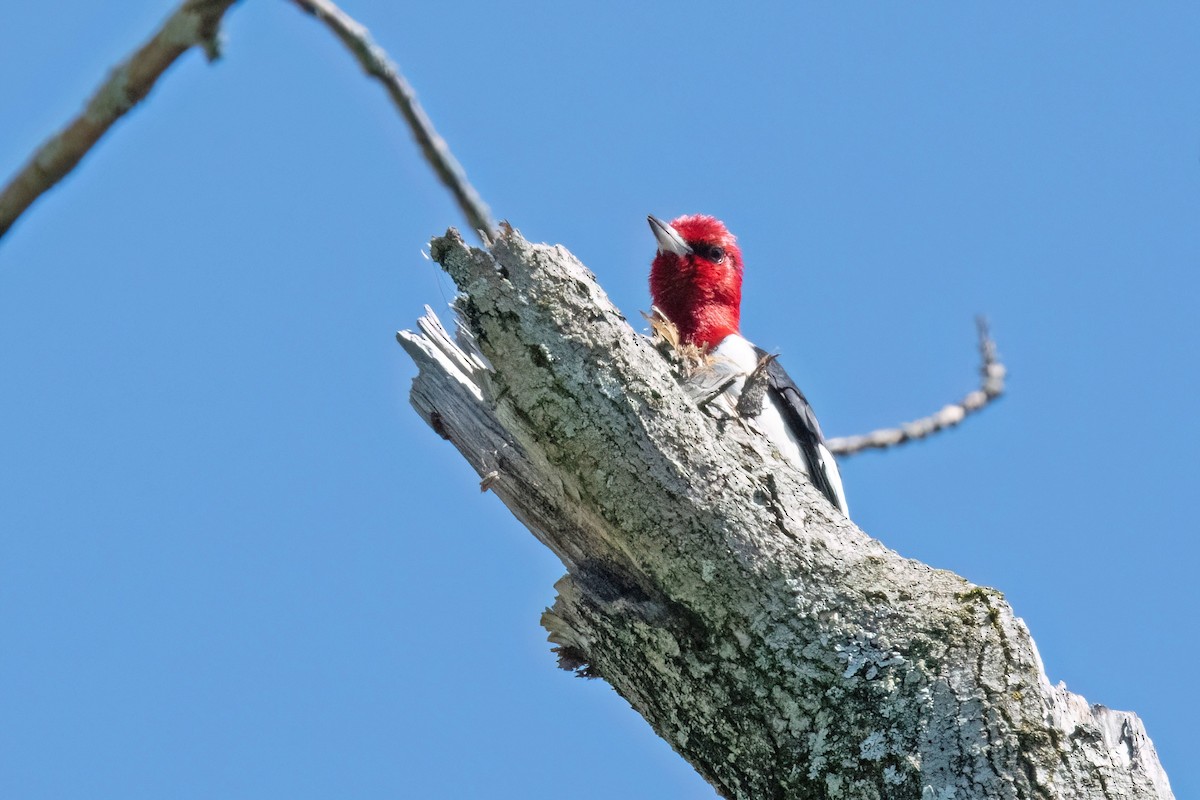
(804, 426)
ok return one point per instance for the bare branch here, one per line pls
(196, 22)
(376, 63)
(991, 386)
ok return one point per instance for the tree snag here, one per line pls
(778, 648)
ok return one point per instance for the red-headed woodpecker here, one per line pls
(696, 282)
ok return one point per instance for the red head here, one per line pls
(696, 278)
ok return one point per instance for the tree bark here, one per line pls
(778, 648)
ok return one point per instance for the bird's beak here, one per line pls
(669, 240)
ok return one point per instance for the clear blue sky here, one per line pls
(234, 563)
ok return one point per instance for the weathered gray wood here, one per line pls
(778, 648)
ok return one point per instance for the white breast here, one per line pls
(736, 358)
(732, 361)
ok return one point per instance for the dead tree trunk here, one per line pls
(779, 649)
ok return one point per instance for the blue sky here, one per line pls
(234, 563)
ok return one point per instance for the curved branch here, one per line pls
(991, 387)
(376, 63)
(196, 22)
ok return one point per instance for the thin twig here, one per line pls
(195, 22)
(991, 387)
(376, 63)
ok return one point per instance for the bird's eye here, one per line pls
(716, 254)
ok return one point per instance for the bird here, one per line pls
(696, 284)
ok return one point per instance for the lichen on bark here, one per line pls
(778, 648)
